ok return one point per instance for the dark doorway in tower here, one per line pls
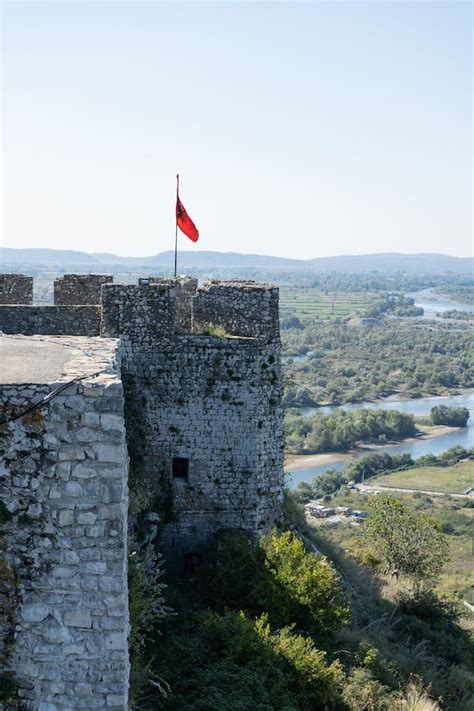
(180, 468)
(192, 561)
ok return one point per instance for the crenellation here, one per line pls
(79, 289)
(186, 289)
(243, 308)
(16, 289)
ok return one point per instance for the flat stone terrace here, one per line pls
(48, 359)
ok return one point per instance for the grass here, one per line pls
(454, 479)
(404, 646)
(457, 521)
(305, 302)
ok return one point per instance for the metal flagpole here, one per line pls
(176, 232)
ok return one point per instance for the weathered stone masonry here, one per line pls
(211, 405)
(79, 289)
(63, 484)
(203, 423)
(50, 320)
(16, 289)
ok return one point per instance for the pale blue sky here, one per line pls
(299, 129)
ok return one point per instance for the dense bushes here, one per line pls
(216, 661)
(254, 632)
(342, 430)
(350, 363)
(279, 577)
(451, 416)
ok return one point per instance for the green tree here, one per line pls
(452, 416)
(411, 544)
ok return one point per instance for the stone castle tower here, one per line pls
(179, 398)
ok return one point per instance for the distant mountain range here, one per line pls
(388, 262)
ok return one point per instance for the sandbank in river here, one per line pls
(296, 462)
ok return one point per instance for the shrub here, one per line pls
(364, 693)
(279, 577)
(227, 661)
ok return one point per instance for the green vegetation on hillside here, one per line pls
(268, 627)
(409, 543)
(461, 315)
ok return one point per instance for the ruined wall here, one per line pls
(63, 488)
(16, 289)
(214, 402)
(51, 320)
(79, 289)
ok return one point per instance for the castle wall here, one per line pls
(63, 564)
(140, 314)
(79, 289)
(242, 308)
(216, 403)
(186, 289)
(213, 402)
(16, 289)
(50, 320)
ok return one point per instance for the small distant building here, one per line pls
(317, 510)
(343, 510)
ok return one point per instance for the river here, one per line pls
(433, 303)
(463, 436)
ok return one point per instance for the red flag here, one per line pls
(184, 222)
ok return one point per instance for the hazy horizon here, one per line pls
(300, 130)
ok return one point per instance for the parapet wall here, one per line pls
(80, 289)
(241, 308)
(50, 320)
(159, 308)
(185, 291)
(63, 563)
(16, 289)
(140, 314)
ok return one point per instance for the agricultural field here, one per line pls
(308, 302)
(455, 479)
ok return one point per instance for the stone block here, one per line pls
(78, 618)
(34, 612)
(66, 518)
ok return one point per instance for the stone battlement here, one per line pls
(79, 289)
(156, 309)
(16, 289)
